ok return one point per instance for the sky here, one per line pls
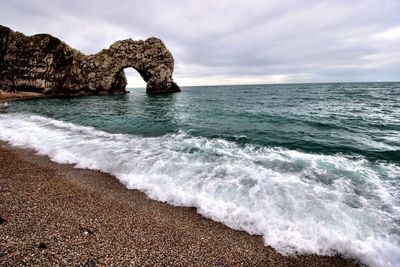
(232, 42)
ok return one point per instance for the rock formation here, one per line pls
(42, 63)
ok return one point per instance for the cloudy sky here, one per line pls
(233, 42)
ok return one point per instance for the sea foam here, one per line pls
(299, 202)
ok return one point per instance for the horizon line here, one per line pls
(287, 83)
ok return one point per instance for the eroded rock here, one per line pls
(42, 63)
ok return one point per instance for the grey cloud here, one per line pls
(317, 40)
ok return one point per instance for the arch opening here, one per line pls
(134, 80)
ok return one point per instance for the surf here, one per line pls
(299, 202)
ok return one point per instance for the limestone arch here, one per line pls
(58, 69)
(150, 58)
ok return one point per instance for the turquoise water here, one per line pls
(359, 119)
(313, 168)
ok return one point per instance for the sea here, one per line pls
(312, 168)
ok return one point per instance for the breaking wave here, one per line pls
(299, 202)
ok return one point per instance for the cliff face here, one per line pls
(45, 64)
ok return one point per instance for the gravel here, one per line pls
(55, 215)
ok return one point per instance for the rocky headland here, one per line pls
(46, 65)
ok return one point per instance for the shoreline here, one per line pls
(23, 95)
(8, 96)
(58, 215)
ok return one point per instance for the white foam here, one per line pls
(299, 202)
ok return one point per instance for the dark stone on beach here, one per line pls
(90, 263)
(87, 231)
(42, 245)
(44, 64)
(2, 220)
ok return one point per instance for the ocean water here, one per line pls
(313, 168)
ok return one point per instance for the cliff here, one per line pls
(44, 64)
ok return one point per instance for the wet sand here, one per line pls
(55, 215)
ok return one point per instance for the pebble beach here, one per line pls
(56, 215)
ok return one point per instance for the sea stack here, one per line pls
(44, 64)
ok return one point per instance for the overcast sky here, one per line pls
(233, 42)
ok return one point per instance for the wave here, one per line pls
(299, 202)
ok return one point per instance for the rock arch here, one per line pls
(52, 67)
